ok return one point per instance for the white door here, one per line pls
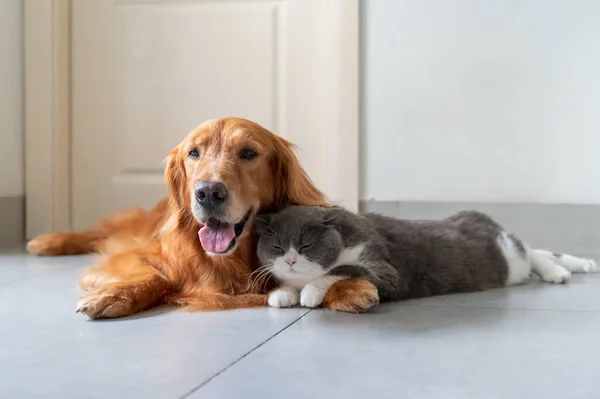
(145, 72)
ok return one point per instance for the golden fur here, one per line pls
(154, 257)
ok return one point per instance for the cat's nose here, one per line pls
(290, 262)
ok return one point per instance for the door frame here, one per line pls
(47, 115)
(48, 118)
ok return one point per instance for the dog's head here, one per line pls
(227, 170)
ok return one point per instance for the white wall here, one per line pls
(12, 171)
(481, 100)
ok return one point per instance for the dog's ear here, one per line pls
(175, 178)
(294, 187)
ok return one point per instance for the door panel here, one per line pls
(144, 73)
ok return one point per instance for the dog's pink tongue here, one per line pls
(216, 238)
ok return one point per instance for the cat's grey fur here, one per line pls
(465, 252)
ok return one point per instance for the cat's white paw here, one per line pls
(590, 267)
(312, 296)
(284, 297)
(558, 276)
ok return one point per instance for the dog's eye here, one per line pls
(193, 154)
(248, 153)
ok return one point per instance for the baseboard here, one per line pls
(12, 221)
(559, 227)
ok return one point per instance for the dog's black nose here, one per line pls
(210, 192)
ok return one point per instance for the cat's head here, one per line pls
(299, 242)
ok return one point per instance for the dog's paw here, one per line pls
(46, 245)
(284, 297)
(105, 303)
(312, 296)
(353, 296)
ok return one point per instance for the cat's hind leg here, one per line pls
(572, 263)
(515, 254)
(547, 268)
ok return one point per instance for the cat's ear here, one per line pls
(328, 218)
(261, 222)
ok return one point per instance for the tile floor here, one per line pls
(533, 341)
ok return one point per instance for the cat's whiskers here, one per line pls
(263, 273)
(260, 268)
(258, 275)
(266, 271)
(269, 277)
(255, 283)
(261, 282)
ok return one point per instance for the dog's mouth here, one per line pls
(219, 237)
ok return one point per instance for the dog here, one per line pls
(196, 248)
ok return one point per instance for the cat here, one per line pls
(309, 248)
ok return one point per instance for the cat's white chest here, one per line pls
(350, 256)
(299, 282)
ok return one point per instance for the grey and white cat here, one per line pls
(309, 248)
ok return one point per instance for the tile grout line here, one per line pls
(224, 369)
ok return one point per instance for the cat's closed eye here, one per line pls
(278, 249)
(304, 248)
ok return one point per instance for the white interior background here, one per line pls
(481, 100)
(464, 100)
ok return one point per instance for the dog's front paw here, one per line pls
(105, 302)
(353, 296)
(284, 297)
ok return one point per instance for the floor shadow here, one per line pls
(153, 312)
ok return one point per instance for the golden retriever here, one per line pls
(196, 248)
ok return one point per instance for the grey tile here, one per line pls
(15, 266)
(457, 346)
(50, 351)
(422, 352)
(582, 293)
